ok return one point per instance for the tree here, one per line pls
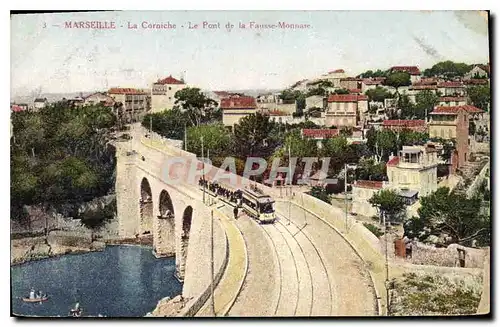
(447, 69)
(452, 217)
(338, 150)
(346, 131)
(289, 95)
(425, 100)
(449, 147)
(198, 107)
(381, 143)
(341, 91)
(409, 137)
(169, 123)
(368, 169)
(378, 94)
(216, 138)
(405, 107)
(370, 73)
(61, 154)
(397, 80)
(472, 127)
(479, 96)
(253, 137)
(390, 204)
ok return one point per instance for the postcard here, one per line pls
(180, 164)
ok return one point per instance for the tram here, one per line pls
(258, 205)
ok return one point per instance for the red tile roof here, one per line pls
(238, 103)
(347, 98)
(455, 109)
(355, 90)
(169, 80)
(426, 81)
(320, 133)
(448, 99)
(377, 185)
(393, 162)
(336, 71)
(412, 70)
(476, 81)
(405, 123)
(119, 90)
(351, 79)
(16, 108)
(369, 81)
(423, 87)
(450, 84)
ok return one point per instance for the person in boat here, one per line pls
(32, 293)
(39, 295)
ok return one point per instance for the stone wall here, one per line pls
(478, 180)
(427, 255)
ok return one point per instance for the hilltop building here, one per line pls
(163, 92)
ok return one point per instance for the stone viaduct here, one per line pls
(177, 217)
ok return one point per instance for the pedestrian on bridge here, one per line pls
(235, 211)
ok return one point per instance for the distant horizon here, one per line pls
(49, 57)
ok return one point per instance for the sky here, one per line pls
(47, 57)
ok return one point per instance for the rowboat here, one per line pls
(42, 299)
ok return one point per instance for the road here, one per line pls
(300, 267)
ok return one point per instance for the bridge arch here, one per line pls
(165, 205)
(186, 229)
(146, 208)
(164, 235)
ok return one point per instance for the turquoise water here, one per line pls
(121, 281)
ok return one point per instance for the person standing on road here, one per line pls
(235, 211)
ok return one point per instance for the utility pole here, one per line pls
(203, 164)
(212, 302)
(185, 138)
(386, 265)
(151, 130)
(345, 195)
(290, 168)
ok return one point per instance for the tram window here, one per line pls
(266, 208)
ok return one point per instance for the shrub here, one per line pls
(374, 229)
(320, 193)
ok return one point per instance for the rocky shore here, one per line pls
(63, 242)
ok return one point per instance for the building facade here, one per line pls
(345, 110)
(235, 108)
(452, 123)
(335, 76)
(452, 89)
(98, 98)
(350, 83)
(163, 93)
(362, 191)
(452, 101)
(478, 71)
(414, 169)
(401, 124)
(133, 103)
(412, 70)
(40, 103)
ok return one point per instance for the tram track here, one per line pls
(319, 255)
